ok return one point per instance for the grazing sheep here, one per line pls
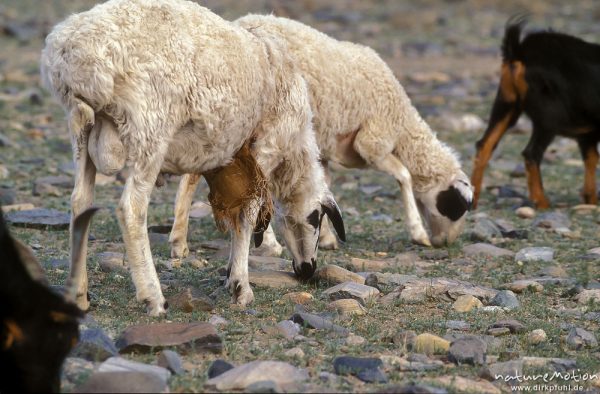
(363, 119)
(38, 327)
(554, 79)
(184, 91)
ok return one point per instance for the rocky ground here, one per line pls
(518, 293)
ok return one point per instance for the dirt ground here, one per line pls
(446, 55)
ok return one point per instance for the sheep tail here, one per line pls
(512, 37)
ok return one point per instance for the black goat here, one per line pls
(555, 79)
(38, 327)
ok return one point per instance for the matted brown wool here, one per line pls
(233, 188)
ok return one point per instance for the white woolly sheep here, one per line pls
(185, 91)
(363, 119)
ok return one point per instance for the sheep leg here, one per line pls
(327, 239)
(81, 199)
(390, 164)
(237, 271)
(589, 152)
(533, 153)
(183, 201)
(132, 214)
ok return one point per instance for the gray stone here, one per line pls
(240, 378)
(554, 364)
(186, 337)
(504, 371)
(457, 325)
(288, 329)
(40, 218)
(514, 326)
(484, 230)
(7, 196)
(119, 364)
(218, 367)
(506, 299)
(317, 322)
(485, 250)
(94, 345)
(172, 361)
(552, 220)
(470, 350)
(361, 293)
(578, 338)
(438, 289)
(366, 369)
(493, 344)
(376, 279)
(535, 254)
(123, 382)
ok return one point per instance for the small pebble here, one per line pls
(537, 336)
(525, 212)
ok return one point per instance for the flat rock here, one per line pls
(218, 367)
(484, 230)
(336, 275)
(240, 378)
(493, 344)
(366, 369)
(112, 262)
(298, 297)
(400, 260)
(7, 196)
(503, 371)
(172, 361)
(485, 250)
(123, 382)
(191, 299)
(40, 218)
(264, 263)
(119, 364)
(186, 337)
(361, 293)
(519, 286)
(273, 279)
(465, 303)
(586, 296)
(554, 363)
(457, 325)
(347, 307)
(469, 350)
(17, 207)
(317, 322)
(437, 289)
(431, 344)
(459, 384)
(514, 326)
(505, 299)
(377, 279)
(578, 338)
(94, 345)
(535, 254)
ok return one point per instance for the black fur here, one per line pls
(33, 363)
(452, 204)
(562, 74)
(333, 212)
(314, 219)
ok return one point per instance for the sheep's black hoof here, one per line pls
(306, 270)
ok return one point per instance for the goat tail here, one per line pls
(512, 37)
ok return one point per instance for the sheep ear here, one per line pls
(452, 203)
(258, 238)
(332, 211)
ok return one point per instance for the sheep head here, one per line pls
(444, 208)
(301, 229)
(38, 327)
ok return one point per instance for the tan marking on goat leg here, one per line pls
(534, 184)
(59, 317)
(590, 195)
(14, 334)
(345, 153)
(485, 153)
(513, 86)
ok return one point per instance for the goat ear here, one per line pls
(452, 203)
(332, 211)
